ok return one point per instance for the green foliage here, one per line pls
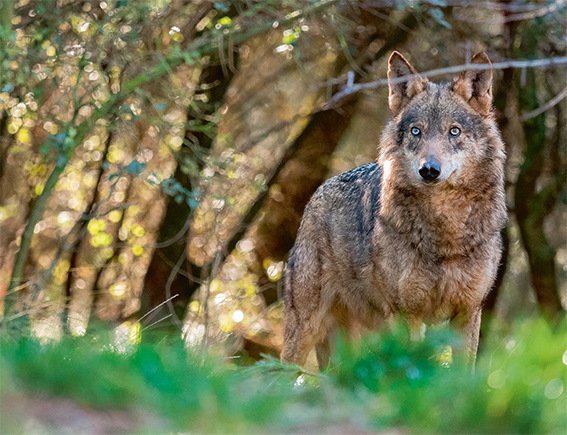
(182, 387)
(506, 393)
(382, 382)
(175, 189)
(438, 15)
(393, 361)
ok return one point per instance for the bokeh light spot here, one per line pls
(554, 388)
(238, 316)
(497, 379)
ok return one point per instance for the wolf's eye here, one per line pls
(455, 131)
(415, 131)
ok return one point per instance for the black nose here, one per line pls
(429, 170)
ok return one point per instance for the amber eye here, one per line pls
(455, 132)
(415, 131)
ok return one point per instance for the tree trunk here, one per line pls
(275, 233)
(533, 206)
(183, 284)
(506, 107)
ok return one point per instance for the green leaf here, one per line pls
(221, 7)
(61, 160)
(135, 167)
(438, 15)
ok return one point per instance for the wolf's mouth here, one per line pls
(439, 180)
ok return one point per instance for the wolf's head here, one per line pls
(440, 133)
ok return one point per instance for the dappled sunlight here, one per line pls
(157, 158)
(233, 304)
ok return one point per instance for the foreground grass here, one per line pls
(384, 382)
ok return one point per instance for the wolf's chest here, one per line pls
(436, 292)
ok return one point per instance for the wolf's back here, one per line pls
(338, 224)
(333, 247)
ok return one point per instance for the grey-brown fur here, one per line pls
(379, 240)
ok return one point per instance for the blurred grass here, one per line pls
(379, 383)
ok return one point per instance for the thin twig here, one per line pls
(178, 236)
(168, 296)
(157, 321)
(155, 308)
(214, 272)
(181, 272)
(222, 57)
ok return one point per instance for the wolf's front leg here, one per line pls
(469, 325)
(416, 327)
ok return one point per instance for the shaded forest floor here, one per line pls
(384, 384)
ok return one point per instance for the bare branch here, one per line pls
(177, 237)
(515, 17)
(536, 63)
(555, 100)
(510, 7)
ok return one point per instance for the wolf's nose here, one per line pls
(429, 170)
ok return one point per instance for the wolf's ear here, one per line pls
(475, 86)
(402, 93)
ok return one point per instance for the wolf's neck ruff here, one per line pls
(444, 221)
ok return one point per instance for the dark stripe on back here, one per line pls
(375, 198)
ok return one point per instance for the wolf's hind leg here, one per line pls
(323, 351)
(302, 334)
(299, 339)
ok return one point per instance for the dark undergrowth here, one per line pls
(382, 383)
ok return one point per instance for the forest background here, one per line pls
(157, 155)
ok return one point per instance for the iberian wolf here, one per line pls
(417, 232)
